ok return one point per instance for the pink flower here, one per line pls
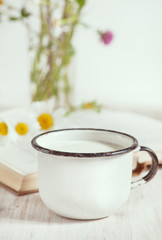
(106, 37)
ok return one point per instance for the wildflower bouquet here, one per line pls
(51, 42)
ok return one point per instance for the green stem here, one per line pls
(47, 81)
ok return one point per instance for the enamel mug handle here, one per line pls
(153, 169)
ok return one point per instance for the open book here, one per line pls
(18, 166)
(18, 169)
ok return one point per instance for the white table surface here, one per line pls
(26, 217)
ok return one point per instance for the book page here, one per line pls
(18, 159)
(147, 130)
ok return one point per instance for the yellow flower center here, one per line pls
(45, 120)
(88, 105)
(1, 2)
(3, 129)
(21, 128)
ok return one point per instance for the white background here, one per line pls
(14, 66)
(127, 74)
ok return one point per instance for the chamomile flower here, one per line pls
(24, 124)
(7, 134)
(25, 127)
(3, 128)
(44, 113)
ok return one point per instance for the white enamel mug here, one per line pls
(87, 173)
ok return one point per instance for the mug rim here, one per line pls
(84, 155)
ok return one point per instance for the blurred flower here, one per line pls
(91, 105)
(1, 2)
(45, 120)
(23, 123)
(88, 105)
(6, 131)
(3, 129)
(44, 113)
(21, 128)
(25, 126)
(106, 37)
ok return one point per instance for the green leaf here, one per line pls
(67, 88)
(14, 18)
(70, 110)
(55, 91)
(70, 51)
(81, 2)
(25, 13)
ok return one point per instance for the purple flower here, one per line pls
(106, 37)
